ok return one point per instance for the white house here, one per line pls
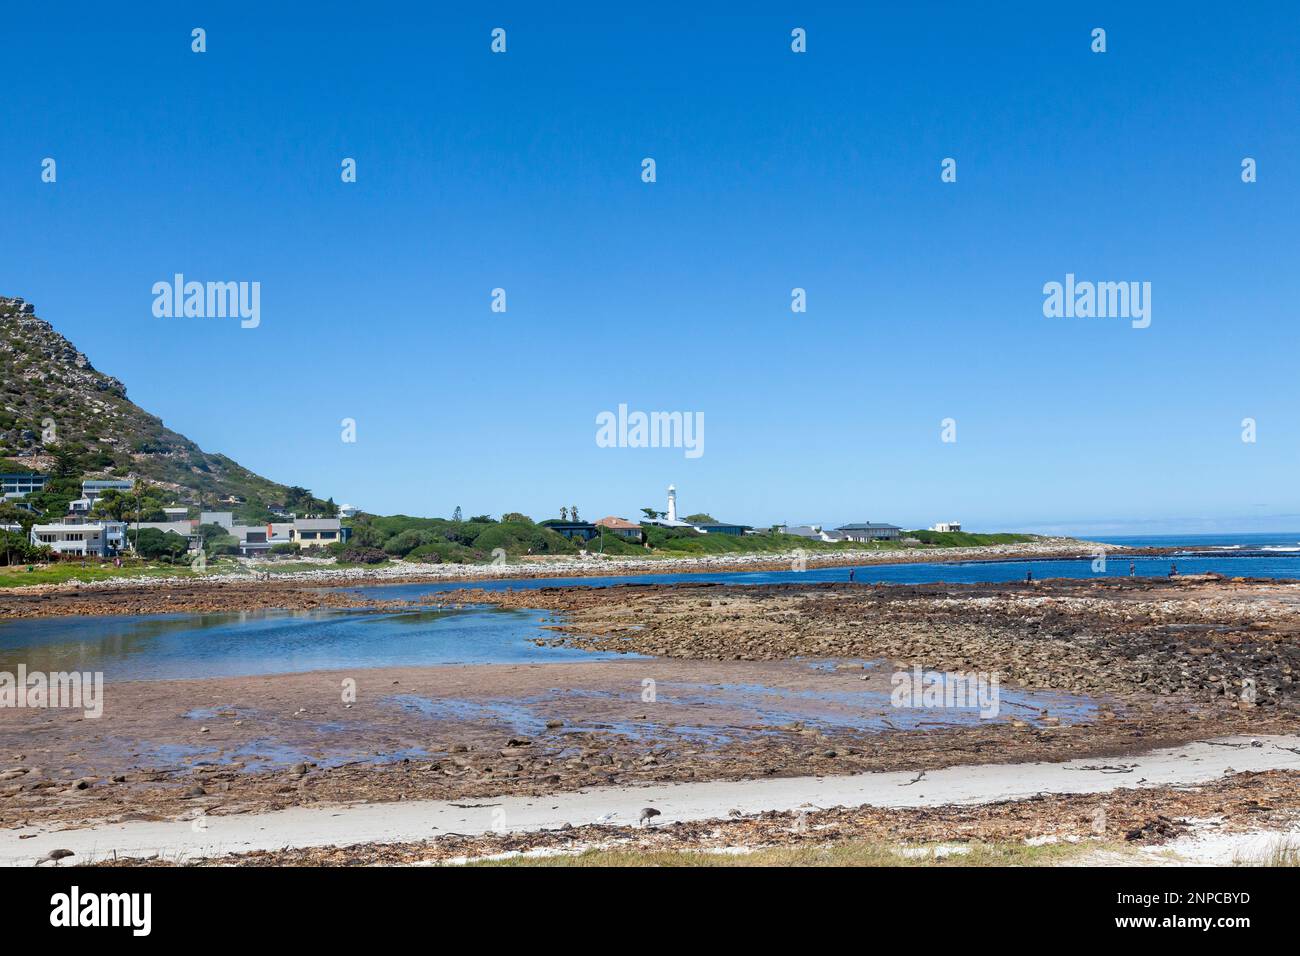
(92, 538)
(947, 526)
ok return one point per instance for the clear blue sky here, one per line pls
(775, 170)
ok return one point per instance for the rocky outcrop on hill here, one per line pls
(52, 398)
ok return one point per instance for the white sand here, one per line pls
(419, 820)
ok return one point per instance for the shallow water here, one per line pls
(716, 713)
(173, 646)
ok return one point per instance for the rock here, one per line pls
(195, 791)
(298, 769)
(554, 724)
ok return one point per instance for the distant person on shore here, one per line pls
(851, 574)
(1029, 577)
(1173, 570)
(1132, 569)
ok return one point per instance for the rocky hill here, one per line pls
(56, 406)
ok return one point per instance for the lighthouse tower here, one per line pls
(672, 503)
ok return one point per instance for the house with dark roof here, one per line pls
(870, 531)
(583, 530)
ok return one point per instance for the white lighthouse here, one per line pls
(672, 503)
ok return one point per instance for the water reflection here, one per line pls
(173, 646)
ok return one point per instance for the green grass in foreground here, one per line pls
(15, 576)
(839, 854)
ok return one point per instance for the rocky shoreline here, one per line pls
(1216, 640)
(255, 574)
(305, 590)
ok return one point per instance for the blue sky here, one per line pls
(775, 170)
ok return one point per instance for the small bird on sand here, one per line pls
(647, 815)
(55, 856)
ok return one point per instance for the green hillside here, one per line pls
(59, 415)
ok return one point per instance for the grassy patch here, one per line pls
(966, 539)
(18, 576)
(853, 853)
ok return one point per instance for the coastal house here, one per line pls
(870, 531)
(318, 532)
(583, 530)
(348, 511)
(102, 539)
(813, 532)
(254, 539)
(666, 523)
(21, 485)
(721, 527)
(177, 514)
(623, 528)
(92, 488)
(946, 526)
(224, 518)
